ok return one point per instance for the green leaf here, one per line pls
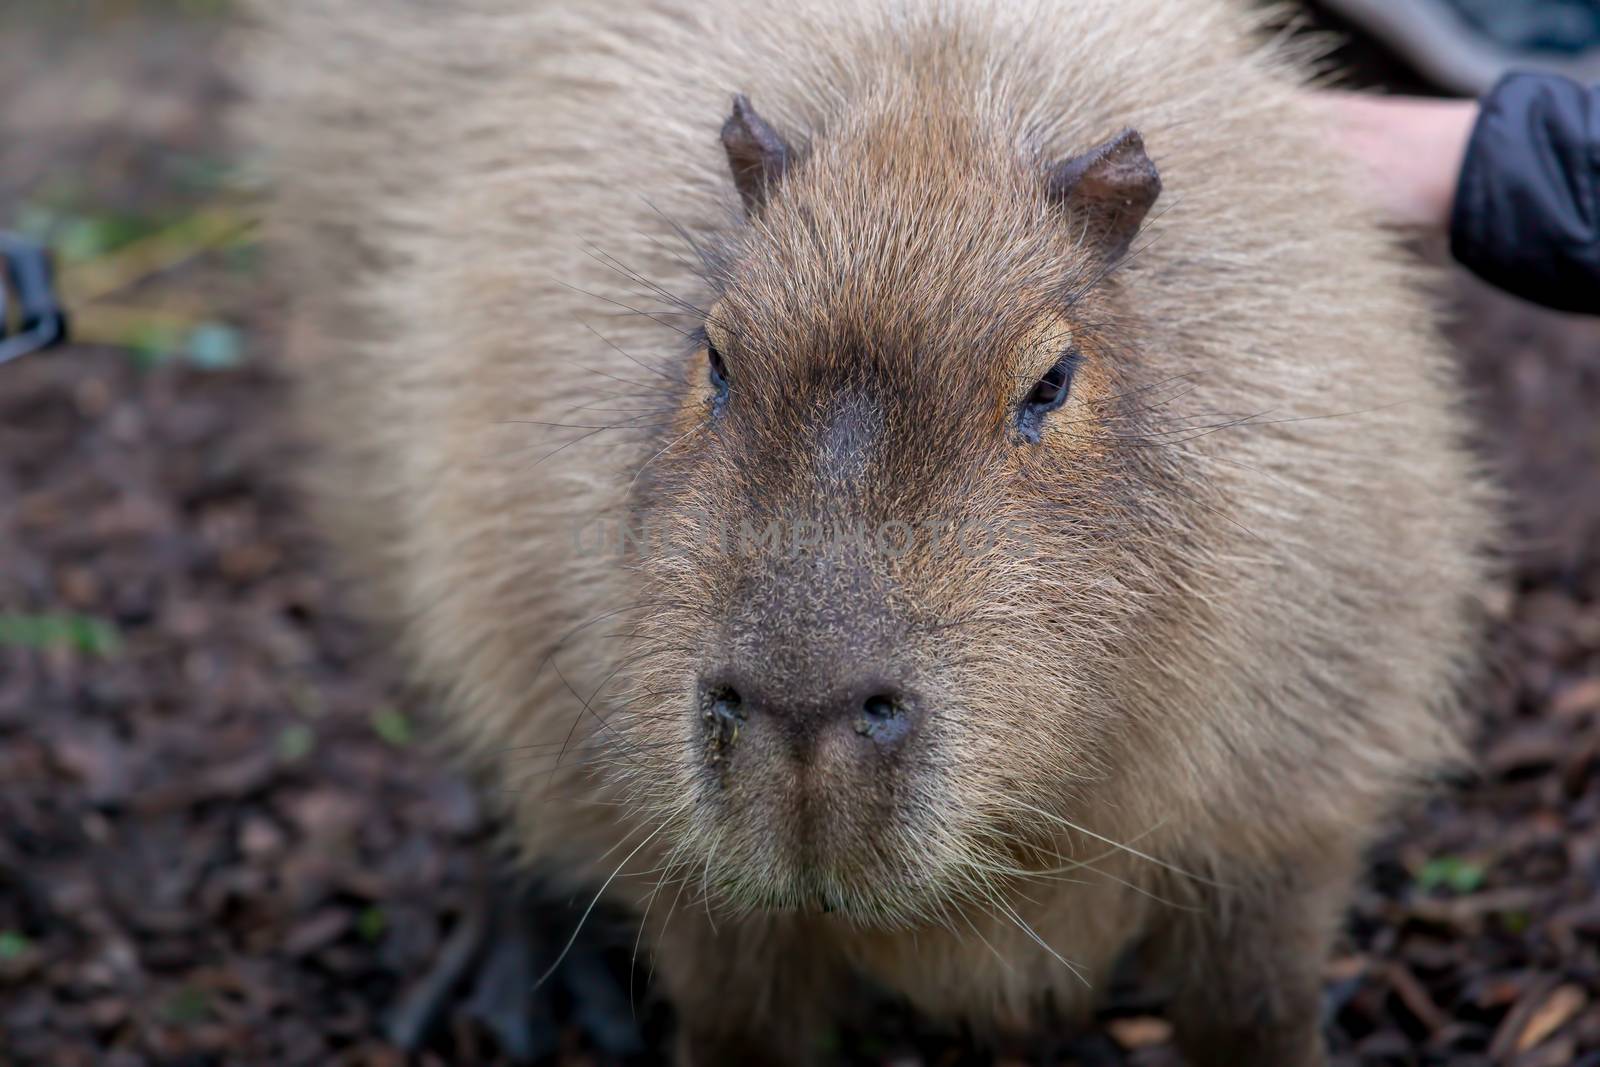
(95, 636)
(371, 923)
(152, 343)
(1453, 872)
(12, 945)
(187, 1004)
(392, 726)
(82, 632)
(1516, 922)
(80, 237)
(296, 742)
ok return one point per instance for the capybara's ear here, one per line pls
(1111, 188)
(757, 155)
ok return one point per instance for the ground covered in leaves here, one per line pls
(224, 838)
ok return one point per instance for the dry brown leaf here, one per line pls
(1556, 1011)
(1579, 698)
(1140, 1032)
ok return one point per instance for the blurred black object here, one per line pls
(1468, 45)
(29, 277)
(1527, 217)
(1527, 212)
(1556, 27)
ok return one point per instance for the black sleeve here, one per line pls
(1527, 210)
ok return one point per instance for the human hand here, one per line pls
(1409, 151)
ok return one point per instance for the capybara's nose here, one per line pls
(868, 703)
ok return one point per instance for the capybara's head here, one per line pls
(900, 526)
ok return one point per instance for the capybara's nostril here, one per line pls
(884, 716)
(723, 710)
(721, 701)
(731, 700)
(879, 707)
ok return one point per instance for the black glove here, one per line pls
(1527, 211)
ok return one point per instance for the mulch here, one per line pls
(225, 837)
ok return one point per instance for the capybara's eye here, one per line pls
(1051, 390)
(1048, 393)
(719, 368)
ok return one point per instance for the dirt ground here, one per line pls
(224, 835)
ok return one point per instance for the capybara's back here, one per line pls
(938, 490)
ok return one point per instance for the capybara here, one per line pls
(954, 494)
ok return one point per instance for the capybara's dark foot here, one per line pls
(508, 969)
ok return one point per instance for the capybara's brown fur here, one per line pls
(854, 526)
